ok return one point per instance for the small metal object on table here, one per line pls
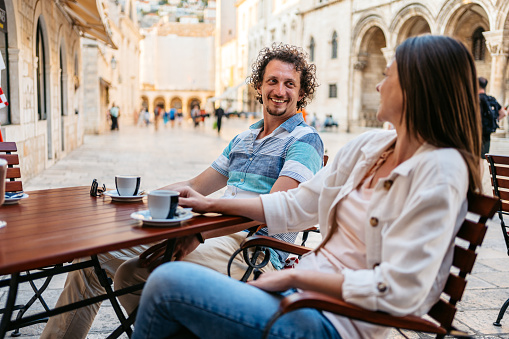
(55, 226)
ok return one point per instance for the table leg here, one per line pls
(106, 283)
(168, 255)
(9, 305)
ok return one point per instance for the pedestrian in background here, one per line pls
(172, 117)
(114, 115)
(195, 115)
(146, 117)
(157, 116)
(491, 113)
(219, 116)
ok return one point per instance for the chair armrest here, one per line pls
(326, 303)
(261, 240)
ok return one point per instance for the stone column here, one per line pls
(497, 43)
(498, 49)
(359, 64)
(388, 53)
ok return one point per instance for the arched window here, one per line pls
(334, 46)
(5, 112)
(62, 85)
(478, 44)
(41, 73)
(312, 49)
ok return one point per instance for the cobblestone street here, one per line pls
(174, 154)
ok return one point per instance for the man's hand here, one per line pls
(185, 245)
(154, 255)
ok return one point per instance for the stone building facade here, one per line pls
(112, 75)
(177, 69)
(351, 42)
(42, 52)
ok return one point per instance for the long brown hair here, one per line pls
(440, 98)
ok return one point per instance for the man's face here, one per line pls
(280, 89)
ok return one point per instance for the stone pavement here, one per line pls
(170, 155)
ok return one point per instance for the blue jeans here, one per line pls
(185, 300)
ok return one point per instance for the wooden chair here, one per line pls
(251, 260)
(13, 178)
(499, 170)
(471, 232)
(13, 183)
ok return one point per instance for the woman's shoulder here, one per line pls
(441, 163)
(371, 138)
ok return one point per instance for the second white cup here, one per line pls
(162, 204)
(127, 185)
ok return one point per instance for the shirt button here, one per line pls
(233, 193)
(373, 221)
(250, 159)
(381, 287)
(241, 180)
(388, 184)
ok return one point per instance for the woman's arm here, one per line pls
(279, 281)
(251, 208)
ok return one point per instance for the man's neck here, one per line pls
(271, 123)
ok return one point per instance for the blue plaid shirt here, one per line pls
(294, 150)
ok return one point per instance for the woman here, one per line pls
(388, 206)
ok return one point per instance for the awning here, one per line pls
(89, 17)
(230, 93)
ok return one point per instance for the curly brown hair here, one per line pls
(288, 54)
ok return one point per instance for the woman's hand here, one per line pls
(190, 198)
(327, 283)
(274, 281)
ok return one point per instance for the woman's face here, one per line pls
(391, 96)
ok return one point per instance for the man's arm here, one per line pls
(205, 183)
(502, 112)
(284, 183)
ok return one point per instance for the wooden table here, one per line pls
(55, 226)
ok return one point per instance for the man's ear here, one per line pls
(301, 95)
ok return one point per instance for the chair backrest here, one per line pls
(499, 170)
(472, 233)
(13, 178)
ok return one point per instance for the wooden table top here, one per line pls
(58, 225)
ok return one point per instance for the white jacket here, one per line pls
(414, 215)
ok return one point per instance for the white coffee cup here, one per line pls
(127, 185)
(162, 204)
(3, 173)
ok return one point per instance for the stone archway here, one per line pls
(193, 101)
(416, 25)
(159, 101)
(463, 24)
(371, 63)
(144, 102)
(176, 103)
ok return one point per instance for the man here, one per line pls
(114, 114)
(275, 154)
(491, 113)
(219, 117)
(195, 115)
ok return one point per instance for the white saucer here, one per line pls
(11, 201)
(182, 214)
(124, 198)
